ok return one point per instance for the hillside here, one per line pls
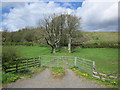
(108, 37)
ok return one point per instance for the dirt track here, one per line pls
(46, 80)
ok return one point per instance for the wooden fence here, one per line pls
(105, 76)
(22, 64)
(58, 61)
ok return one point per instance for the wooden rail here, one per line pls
(105, 76)
(82, 64)
(24, 64)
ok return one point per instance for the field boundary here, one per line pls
(105, 76)
(70, 61)
(82, 64)
(22, 64)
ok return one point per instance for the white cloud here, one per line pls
(98, 16)
(29, 15)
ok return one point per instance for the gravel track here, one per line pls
(46, 80)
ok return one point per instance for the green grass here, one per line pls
(35, 51)
(58, 72)
(111, 37)
(110, 83)
(12, 77)
(106, 58)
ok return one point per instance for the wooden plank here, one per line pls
(30, 64)
(23, 64)
(100, 77)
(21, 67)
(106, 75)
(28, 58)
(12, 69)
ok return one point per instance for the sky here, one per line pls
(96, 16)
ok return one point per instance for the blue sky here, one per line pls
(71, 5)
(96, 16)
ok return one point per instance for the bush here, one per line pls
(43, 44)
(8, 77)
(9, 55)
(24, 43)
(28, 43)
(100, 45)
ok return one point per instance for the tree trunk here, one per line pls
(69, 45)
(53, 50)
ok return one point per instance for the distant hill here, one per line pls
(108, 37)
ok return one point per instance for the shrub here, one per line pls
(9, 55)
(28, 43)
(100, 45)
(8, 77)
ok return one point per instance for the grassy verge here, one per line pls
(58, 72)
(112, 83)
(12, 77)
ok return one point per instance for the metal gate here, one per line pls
(67, 62)
(85, 65)
(57, 61)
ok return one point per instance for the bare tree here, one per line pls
(53, 30)
(56, 25)
(71, 23)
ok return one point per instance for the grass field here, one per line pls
(110, 37)
(106, 58)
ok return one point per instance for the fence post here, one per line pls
(39, 61)
(93, 67)
(34, 62)
(16, 66)
(75, 62)
(26, 63)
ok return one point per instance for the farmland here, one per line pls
(106, 58)
(110, 37)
